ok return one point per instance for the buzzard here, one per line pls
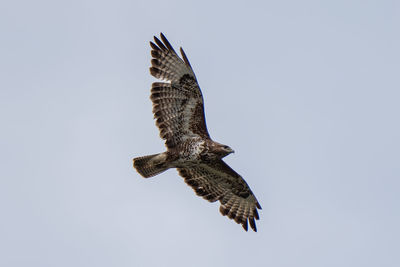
(179, 112)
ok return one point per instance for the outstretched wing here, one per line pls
(177, 105)
(217, 181)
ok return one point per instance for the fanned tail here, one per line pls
(151, 165)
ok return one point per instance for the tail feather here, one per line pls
(151, 165)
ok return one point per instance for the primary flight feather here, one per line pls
(179, 112)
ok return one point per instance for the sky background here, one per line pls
(306, 92)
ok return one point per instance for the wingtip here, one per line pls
(184, 57)
(167, 43)
(253, 224)
(154, 46)
(245, 225)
(162, 35)
(160, 44)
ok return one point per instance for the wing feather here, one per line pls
(217, 181)
(178, 104)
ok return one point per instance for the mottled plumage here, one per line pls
(179, 113)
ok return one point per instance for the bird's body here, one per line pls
(179, 112)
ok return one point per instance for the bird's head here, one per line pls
(228, 150)
(224, 150)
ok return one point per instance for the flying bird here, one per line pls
(179, 113)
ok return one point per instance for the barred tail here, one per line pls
(151, 165)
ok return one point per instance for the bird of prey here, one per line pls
(179, 113)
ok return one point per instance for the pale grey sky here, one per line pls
(306, 92)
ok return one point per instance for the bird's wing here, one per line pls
(178, 104)
(217, 181)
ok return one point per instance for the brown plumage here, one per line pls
(179, 113)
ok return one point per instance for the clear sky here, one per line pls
(306, 92)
